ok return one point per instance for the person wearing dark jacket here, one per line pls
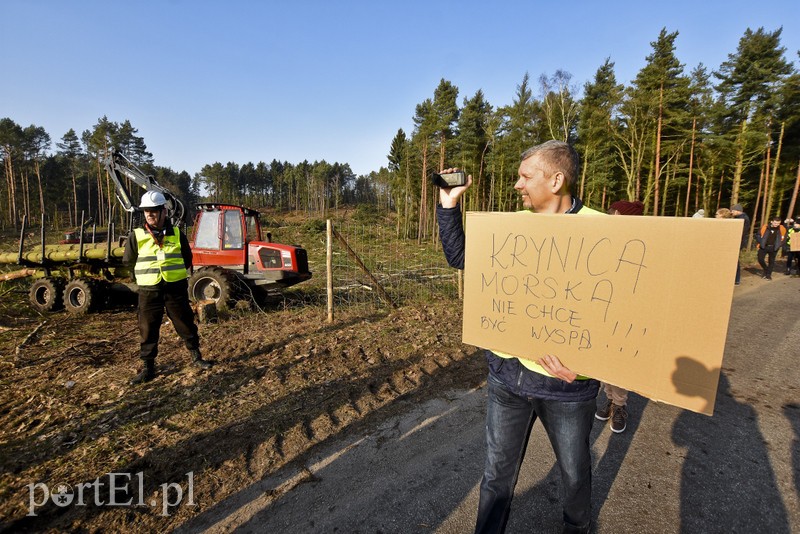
(770, 241)
(793, 256)
(738, 213)
(520, 391)
(160, 257)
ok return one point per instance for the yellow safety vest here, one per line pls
(530, 364)
(151, 267)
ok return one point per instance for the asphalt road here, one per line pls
(671, 471)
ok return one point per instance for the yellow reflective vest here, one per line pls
(155, 263)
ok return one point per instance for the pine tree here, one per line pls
(748, 89)
(661, 90)
(473, 144)
(600, 104)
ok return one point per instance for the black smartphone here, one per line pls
(449, 179)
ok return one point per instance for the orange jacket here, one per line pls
(762, 237)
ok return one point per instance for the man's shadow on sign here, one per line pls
(727, 481)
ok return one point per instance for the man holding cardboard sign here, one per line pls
(522, 390)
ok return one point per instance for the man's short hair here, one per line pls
(558, 156)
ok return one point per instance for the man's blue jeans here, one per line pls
(509, 420)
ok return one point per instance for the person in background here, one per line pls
(787, 224)
(616, 405)
(160, 257)
(738, 213)
(723, 213)
(792, 256)
(770, 240)
(520, 391)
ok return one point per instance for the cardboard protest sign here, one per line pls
(639, 302)
(794, 244)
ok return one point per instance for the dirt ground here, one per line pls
(284, 380)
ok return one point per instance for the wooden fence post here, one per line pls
(329, 267)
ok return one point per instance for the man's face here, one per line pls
(154, 216)
(535, 185)
(774, 223)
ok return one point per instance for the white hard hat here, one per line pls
(153, 199)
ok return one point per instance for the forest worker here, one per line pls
(160, 257)
(616, 404)
(521, 390)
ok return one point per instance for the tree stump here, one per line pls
(206, 311)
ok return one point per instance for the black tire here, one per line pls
(211, 283)
(82, 296)
(46, 294)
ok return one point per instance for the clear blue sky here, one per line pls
(235, 80)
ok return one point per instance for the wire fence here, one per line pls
(407, 271)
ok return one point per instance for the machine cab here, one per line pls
(222, 232)
(230, 236)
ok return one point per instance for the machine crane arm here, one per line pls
(119, 167)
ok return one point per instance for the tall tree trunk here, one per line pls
(99, 216)
(775, 171)
(26, 195)
(39, 180)
(74, 201)
(794, 193)
(691, 168)
(740, 150)
(658, 147)
(697, 193)
(88, 193)
(603, 200)
(482, 198)
(408, 196)
(755, 211)
(423, 200)
(765, 200)
(583, 172)
(12, 191)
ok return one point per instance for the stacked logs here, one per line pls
(65, 253)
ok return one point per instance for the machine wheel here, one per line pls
(81, 296)
(211, 284)
(46, 294)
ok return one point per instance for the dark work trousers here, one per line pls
(770, 263)
(153, 300)
(509, 420)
